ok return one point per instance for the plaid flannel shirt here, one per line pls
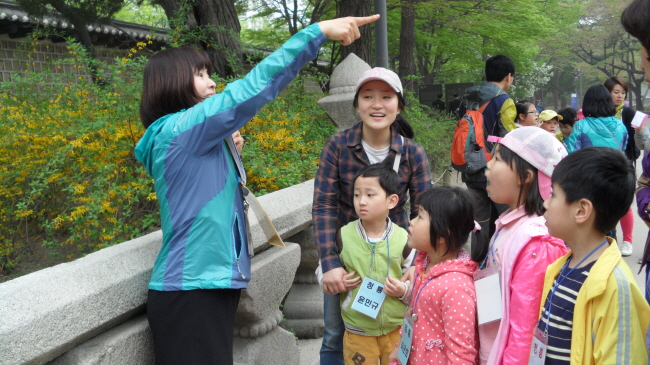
(342, 156)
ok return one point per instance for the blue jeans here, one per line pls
(331, 351)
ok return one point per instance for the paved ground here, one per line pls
(309, 348)
(639, 238)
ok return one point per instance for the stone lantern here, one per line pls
(338, 104)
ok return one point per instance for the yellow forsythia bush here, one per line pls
(68, 175)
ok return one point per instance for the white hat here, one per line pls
(540, 149)
(382, 74)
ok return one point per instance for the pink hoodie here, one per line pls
(445, 329)
(524, 250)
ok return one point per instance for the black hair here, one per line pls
(439, 96)
(598, 102)
(455, 95)
(636, 21)
(168, 82)
(522, 108)
(611, 82)
(532, 201)
(601, 175)
(403, 127)
(451, 215)
(498, 67)
(400, 124)
(569, 116)
(388, 178)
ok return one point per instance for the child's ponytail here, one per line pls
(403, 127)
(481, 247)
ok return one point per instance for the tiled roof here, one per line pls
(17, 23)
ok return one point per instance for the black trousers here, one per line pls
(486, 212)
(193, 326)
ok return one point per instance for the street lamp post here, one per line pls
(381, 35)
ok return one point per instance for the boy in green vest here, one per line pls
(376, 249)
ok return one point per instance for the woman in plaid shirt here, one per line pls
(381, 136)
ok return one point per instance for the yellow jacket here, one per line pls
(611, 316)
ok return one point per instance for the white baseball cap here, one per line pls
(540, 149)
(381, 74)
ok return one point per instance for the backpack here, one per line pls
(468, 151)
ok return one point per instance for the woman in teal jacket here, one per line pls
(198, 175)
(600, 127)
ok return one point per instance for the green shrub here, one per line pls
(434, 131)
(68, 175)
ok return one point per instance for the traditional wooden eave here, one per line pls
(16, 23)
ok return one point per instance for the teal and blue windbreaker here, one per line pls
(205, 244)
(597, 132)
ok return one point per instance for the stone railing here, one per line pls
(92, 310)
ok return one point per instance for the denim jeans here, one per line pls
(331, 351)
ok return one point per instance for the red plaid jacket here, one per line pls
(342, 156)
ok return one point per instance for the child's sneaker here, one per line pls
(626, 248)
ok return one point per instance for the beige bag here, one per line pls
(271, 234)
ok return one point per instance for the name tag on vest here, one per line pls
(369, 298)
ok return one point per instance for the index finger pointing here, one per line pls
(365, 19)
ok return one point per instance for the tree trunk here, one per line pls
(362, 47)
(320, 7)
(407, 45)
(81, 32)
(218, 23)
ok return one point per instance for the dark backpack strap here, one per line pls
(485, 132)
(406, 251)
(339, 241)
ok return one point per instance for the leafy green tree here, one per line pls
(529, 82)
(602, 43)
(293, 14)
(454, 37)
(136, 11)
(269, 23)
(211, 24)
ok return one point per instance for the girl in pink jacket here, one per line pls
(440, 322)
(518, 175)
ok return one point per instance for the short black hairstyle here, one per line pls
(569, 116)
(611, 82)
(168, 82)
(451, 216)
(598, 102)
(601, 175)
(388, 178)
(522, 108)
(532, 201)
(455, 94)
(439, 96)
(636, 21)
(498, 67)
